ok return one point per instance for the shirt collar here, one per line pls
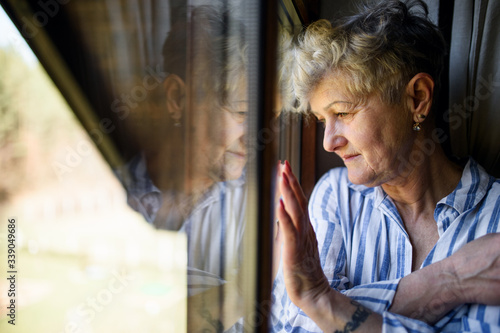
(217, 191)
(471, 189)
(376, 193)
(135, 178)
(139, 186)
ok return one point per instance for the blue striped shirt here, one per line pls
(365, 249)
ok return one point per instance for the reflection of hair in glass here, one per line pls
(217, 63)
(378, 50)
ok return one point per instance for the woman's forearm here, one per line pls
(428, 294)
(471, 275)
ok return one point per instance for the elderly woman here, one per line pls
(387, 242)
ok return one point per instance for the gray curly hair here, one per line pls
(377, 50)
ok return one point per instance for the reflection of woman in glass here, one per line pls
(189, 175)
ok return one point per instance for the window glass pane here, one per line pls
(82, 258)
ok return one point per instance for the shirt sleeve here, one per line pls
(394, 323)
(377, 296)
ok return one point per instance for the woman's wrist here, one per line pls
(335, 312)
(447, 292)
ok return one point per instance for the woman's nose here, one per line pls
(333, 139)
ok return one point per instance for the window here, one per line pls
(140, 182)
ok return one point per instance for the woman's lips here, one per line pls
(350, 157)
(237, 154)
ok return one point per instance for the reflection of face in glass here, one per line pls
(227, 138)
(199, 135)
(235, 156)
(218, 137)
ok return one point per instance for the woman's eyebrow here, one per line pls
(240, 102)
(335, 102)
(317, 115)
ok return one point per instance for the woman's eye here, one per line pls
(239, 115)
(342, 114)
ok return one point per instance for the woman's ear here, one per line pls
(175, 92)
(420, 91)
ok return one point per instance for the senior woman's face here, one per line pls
(219, 136)
(371, 137)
